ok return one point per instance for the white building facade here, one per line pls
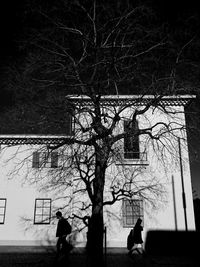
(160, 178)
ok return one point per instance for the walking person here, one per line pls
(63, 229)
(135, 238)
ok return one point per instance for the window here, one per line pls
(2, 210)
(45, 159)
(131, 142)
(42, 212)
(69, 122)
(132, 210)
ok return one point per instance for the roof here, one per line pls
(181, 100)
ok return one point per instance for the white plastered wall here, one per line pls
(21, 197)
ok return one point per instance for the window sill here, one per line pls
(128, 226)
(45, 167)
(40, 223)
(133, 162)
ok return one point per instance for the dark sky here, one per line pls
(11, 27)
(11, 22)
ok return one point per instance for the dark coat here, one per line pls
(138, 234)
(130, 240)
(63, 228)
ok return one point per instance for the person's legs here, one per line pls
(142, 247)
(139, 248)
(65, 249)
(64, 244)
(58, 246)
(134, 247)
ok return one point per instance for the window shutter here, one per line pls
(54, 159)
(135, 143)
(35, 162)
(69, 121)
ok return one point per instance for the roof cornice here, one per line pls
(12, 140)
(135, 100)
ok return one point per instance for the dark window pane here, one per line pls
(35, 162)
(54, 159)
(131, 142)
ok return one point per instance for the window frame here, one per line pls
(43, 221)
(129, 214)
(131, 145)
(3, 214)
(42, 159)
(71, 123)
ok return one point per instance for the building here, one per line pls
(157, 175)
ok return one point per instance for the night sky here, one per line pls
(11, 21)
(12, 26)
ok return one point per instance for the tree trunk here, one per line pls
(95, 240)
(95, 227)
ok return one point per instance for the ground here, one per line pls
(116, 257)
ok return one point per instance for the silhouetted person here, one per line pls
(136, 237)
(63, 229)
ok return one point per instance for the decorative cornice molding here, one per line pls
(12, 140)
(135, 100)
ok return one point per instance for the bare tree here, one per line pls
(86, 51)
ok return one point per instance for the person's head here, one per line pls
(58, 214)
(139, 221)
